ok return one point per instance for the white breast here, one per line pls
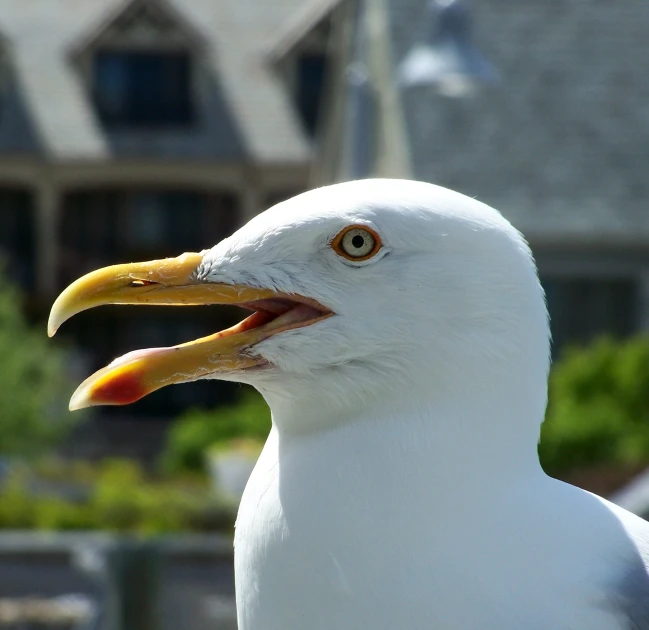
(336, 538)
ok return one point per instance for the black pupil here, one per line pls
(358, 241)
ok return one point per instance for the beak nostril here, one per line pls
(141, 283)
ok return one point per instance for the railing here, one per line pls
(67, 612)
(86, 581)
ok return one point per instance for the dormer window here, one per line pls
(143, 88)
(311, 72)
(304, 63)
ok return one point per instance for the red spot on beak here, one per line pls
(122, 389)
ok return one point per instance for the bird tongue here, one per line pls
(299, 313)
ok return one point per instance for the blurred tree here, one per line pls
(119, 497)
(35, 388)
(197, 430)
(598, 412)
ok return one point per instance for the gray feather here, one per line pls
(630, 593)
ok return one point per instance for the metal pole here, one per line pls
(360, 119)
(135, 570)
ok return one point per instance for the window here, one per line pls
(582, 309)
(311, 73)
(17, 246)
(102, 227)
(172, 220)
(88, 235)
(145, 221)
(143, 89)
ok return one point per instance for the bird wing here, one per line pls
(629, 593)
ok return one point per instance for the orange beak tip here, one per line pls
(110, 386)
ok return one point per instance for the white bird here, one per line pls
(400, 337)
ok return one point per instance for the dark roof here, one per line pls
(561, 144)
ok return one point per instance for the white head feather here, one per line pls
(451, 303)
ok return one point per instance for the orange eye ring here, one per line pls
(357, 243)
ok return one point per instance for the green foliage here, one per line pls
(197, 430)
(122, 499)
(33, 404)
(599, 407)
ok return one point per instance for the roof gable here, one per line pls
(140, 23)
(301, 25)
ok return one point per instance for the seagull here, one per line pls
(400, 336)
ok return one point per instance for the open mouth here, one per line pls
(279, 314)
(270, 316)
(173, 282)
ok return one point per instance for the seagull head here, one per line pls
(360, 294)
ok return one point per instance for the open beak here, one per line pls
(173, 282)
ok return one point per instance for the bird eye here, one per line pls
(357, 242)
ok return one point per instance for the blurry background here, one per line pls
(139, 129)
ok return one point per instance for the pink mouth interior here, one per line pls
(282, 312)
